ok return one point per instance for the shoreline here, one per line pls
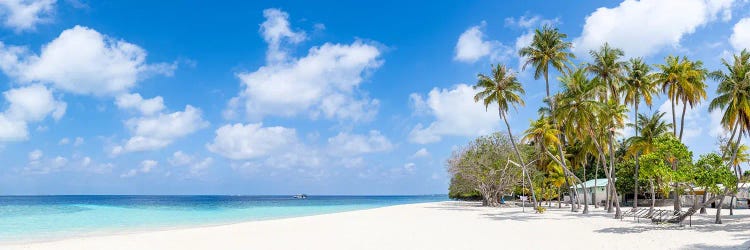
(130, 231)
(433, 225)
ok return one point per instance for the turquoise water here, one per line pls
(30, 218)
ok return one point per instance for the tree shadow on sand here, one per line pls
(743, 246)
(734, 223)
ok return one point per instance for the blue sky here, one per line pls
(144, 97)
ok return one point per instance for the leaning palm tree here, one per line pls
(503, 88)
(608, 69)
(547, 49)
(733, 96)
(638, 84)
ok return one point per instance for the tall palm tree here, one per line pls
(638, 84)
(503, 88)
(682, 80)
(694, 89)
(733, 96)
(547, 48)
(612, 118)
(608, 69)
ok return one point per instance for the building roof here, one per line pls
(590, 183)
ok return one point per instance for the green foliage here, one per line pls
(625, 175)
(461, 189)
(541, 209)
(710, 171)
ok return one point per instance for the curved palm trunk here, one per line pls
(674, 118)
(596, 177)
(616, 201)
(682, 119)
(637, 154)
(520, 159)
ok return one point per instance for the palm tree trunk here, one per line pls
(559, 197)
(520, 159)
(616, 200)
(585, 191)
(546, 83)
(682, 119)
(596, 177)
(676, 192)
(674, 118)
(635, 190)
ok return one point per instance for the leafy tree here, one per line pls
(502, 88)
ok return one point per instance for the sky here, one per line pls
(284, 97)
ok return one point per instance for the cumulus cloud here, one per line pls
(472, 46)
(422, 152)
(145, 167)
(136, 102)
(642, 28)
(694, 119)
(276, 30)
(740, 38)
(455, 113)
(241, 142)
(346, 143)
(26, 105)
(158, 131)
(323, 83)
(102, 66)
(21, 15)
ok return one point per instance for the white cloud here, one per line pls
(145, 167)
(86, 161)
(155, 132)
(352, 144)
(242, 142)
(455, 114)
(64, 141)
(715, 124)
(33, 103)
(642, 28)
(136, 102)
(472, 46)
(27, 104)
(12, 130)
(275, 31)
(200, 167)
(78, 141)
(35, 155)
(102, 65)
(180, 158)
(23, 15)
(324, 82)
(410, 167)
(740, 38)
(422, 152)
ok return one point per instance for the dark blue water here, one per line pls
(25, 218)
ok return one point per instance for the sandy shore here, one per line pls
(442, 225)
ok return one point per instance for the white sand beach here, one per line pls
(440, 225)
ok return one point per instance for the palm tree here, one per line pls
(612, 118)
(638, 84)
(682, 80)
(608, 69)
(694, 89)
(503, 88)
(670, 76)
(651, 127)
(547, 49)
(733, 96)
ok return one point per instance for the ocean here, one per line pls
(36, 218)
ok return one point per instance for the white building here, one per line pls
(598, 191)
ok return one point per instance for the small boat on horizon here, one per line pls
(300, 196)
